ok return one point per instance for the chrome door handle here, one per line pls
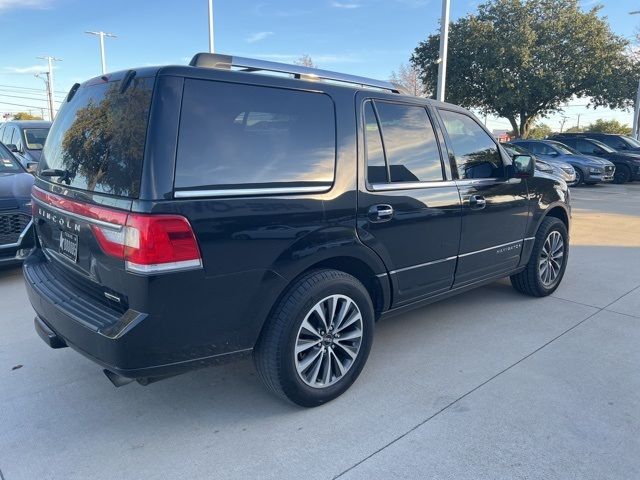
(477, 202)
(380, 213)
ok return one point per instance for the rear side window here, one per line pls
(98, 137)
(477, 155)
(410, 147)
(247, 136)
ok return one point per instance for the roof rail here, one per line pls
(227, 62)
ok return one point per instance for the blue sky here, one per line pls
(364, 37)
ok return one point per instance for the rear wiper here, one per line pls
(54, 172)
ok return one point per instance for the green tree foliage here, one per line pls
(574, 129)
(522, 59)
(539, 131)
(25, 116)
(609, 126)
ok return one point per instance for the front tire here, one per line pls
(579, 177)
(317, 339)
(622, 174)
(548, 260)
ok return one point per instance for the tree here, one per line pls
(539, 131)
(305, 61)
(408, 76)
(25, 116)
(574, 129)
(609, 126)
(522, 59)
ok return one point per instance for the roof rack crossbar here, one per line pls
(226, 62)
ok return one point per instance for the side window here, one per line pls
(16, 139)
(6, 136)
(410, 143)
(477, 155)
(376, 165)
(614, 142)
(587, 147)
(248, 136)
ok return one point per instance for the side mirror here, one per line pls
(524, 166)
(12, 148)
(32, 167)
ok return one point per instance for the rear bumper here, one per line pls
(118, 341)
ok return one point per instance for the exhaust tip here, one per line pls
(117, 380)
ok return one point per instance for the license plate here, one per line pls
(69, 245)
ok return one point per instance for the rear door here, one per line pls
(408, 207)
(495, 209)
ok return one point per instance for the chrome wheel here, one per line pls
(328, 341)
(551, 258)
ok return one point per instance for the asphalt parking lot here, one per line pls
(490, 384)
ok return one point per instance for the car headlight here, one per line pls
(595, 170)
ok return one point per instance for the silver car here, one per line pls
(560, 169)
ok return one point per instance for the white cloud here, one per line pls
(256, 37)
(31, 69)
(12, 4)
(346, 5)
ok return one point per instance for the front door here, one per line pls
(408, 208)
(495, 208)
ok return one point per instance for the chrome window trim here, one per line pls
(243, 192)
(21, 236)
(102, 223)
(385, 187)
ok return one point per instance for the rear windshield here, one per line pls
(34, 137)
(98, 138)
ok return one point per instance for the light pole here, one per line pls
(444, 45)
(102, 35)
(211, 46)
(636, 107)
(50, 61)
(46, 83)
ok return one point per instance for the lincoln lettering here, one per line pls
(61, 221)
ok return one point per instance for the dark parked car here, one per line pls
(401, 201)
(613, 140)
(25, 139)
(589, 170)
(16, 234)
(627, 163)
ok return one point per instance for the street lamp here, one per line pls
(444, 45)
(45, 79)
(102, 35)
(636, 107)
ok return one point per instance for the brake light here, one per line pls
(147, 243)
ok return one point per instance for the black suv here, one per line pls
(627, 162)
(613, 140)
(190, 214)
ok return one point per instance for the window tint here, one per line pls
(35, 137)
(8, 163)
(254, 136)
(538, 148)
(15, 138)
(614, 142)
(410, 143)
(99, 137)
(376, 165)
(6, 135)
(585, 146)
(477, 155)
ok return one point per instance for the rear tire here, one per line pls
(622, 174)
(317, 339)
(548, 260)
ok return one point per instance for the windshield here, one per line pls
(8, 163)
(34, 137)
(631, 141)
(98, 138)
(606, 148)
(564, 149)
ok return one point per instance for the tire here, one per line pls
(275, 356)
(622, 174)
(531, 281)
(579, 177)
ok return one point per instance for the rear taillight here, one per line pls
(146, 243)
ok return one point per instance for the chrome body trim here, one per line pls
(243, 192)
(392, 272)
(385, 187)
(101, 223)
(491, 248)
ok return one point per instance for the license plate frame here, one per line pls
(68, 246)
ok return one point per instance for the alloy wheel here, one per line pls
(551, 259)
(328, 341)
